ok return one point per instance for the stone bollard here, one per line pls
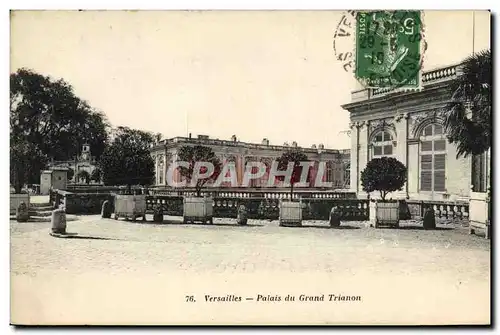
(429, 218)
(22, 212)
(58, 221)
(106, 210)
(158, 214)
(334, 217)
(242, 217)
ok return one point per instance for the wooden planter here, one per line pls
(479, 213)
(290, 213)
(130, 206)
(384, 213)
(198, 209)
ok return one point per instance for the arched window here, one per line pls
(432, 159)
(382, 144)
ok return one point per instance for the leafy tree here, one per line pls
(385, 174)
(127, 160)
(46, 114)
(296, 156)
(198, 153)
(71, 173)
(26, 161)
(468, 114)
(84, 175)
(96, 175)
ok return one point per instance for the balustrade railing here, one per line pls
(442, 209)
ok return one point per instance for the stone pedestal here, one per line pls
(158, 214)
(58, 221)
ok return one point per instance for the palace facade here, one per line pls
(407, 125)
(165, 153)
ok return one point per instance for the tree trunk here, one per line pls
(382, 195)
(291, 192)
(129, 189)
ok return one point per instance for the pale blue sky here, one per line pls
(253, 74)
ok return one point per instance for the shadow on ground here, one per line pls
(323, 227)
(180, 223)
(84, 237)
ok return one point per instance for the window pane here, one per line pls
(426, 181)
(377, 151)
(387, 136)
(426, 146)
(439, 162)
(440, 145)
(439, 181)
(426, 162)
(428, 130)
(438, 130)
(387, 149)
(378, 137)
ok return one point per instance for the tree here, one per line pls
(127, 161)
(468, 114)
(26, 161)
(84, 175)
(385, 174)
(46, 114)
(294, 156)
(96, 175)
(198, 153)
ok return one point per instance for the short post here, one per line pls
(22, 212)
(429, 218)
(106, 210)
(58, 221)
(334, 217)
(242, 217)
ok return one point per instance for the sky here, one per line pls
(254, 74)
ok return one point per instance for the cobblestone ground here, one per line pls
(133, 272)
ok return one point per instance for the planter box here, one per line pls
(479, 213)
(198, 209)
(15, 200)
(130, 206)
(290, 213)
(384, 213)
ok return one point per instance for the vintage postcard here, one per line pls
(326, 167)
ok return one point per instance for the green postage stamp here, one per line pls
(389, 48)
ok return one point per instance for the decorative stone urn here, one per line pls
(290, 213)
(384, 213)
(22, 212)
(198, 209)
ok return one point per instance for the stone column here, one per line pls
(401, 125)
(354, 156)
(364, 154)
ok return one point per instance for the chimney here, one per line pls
(189, 135)
(265, 141)
(233, 138)
(313, 146)
(321, 146)
(294, 144)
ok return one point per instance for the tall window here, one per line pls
(432, 159)
(161, 172)
(382, 144)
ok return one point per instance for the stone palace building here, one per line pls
(337, 161)
(406, 124)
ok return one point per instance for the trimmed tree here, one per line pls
(385, 174)
(71, 173)
(198, 153)
(294, 156)
(127, 161)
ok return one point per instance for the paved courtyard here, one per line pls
(133, 272)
